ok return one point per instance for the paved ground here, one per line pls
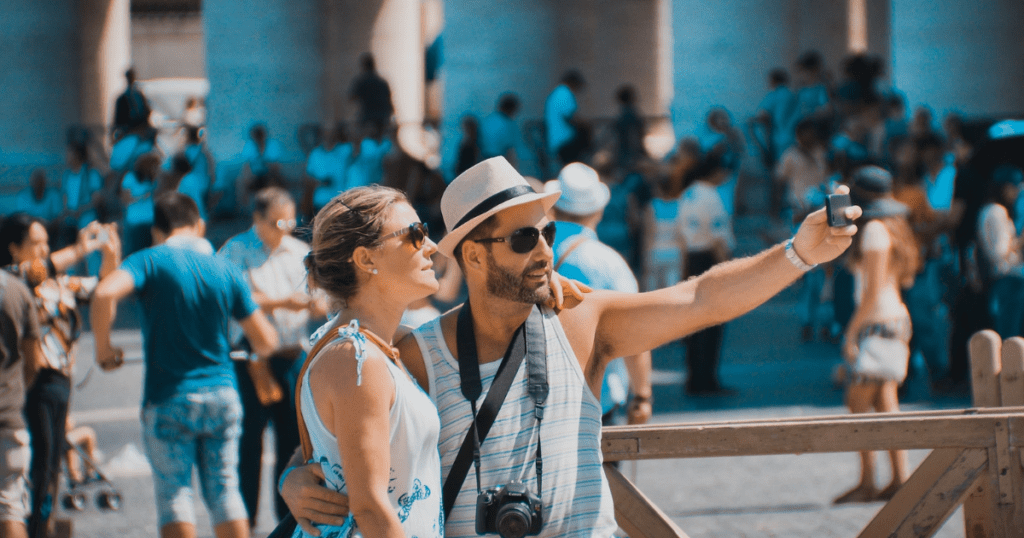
(776, 376)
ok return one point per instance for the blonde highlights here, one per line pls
(353, 219)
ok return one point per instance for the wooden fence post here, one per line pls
(1008, 475)
(985, 349)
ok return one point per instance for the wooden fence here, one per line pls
(976, 459)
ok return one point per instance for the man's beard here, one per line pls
(505, 284)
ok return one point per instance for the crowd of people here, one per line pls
(385, 425)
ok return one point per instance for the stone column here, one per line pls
(106, 55)
(39, 71)
(957, 55)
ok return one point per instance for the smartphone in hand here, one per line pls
(835, 207)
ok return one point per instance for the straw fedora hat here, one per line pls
(483, 190)
(581, 188)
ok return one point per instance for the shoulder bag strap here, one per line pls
(307, 445)
(469, 371)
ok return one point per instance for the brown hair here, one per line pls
(353, 219)
(482, 230)
(904, 255)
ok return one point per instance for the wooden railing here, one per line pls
(976, 457)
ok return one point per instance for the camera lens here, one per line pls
(513, 520)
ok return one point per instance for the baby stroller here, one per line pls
(90, 478)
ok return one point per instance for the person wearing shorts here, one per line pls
(191, 413)
(19, 349)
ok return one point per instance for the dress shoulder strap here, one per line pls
(349, 332)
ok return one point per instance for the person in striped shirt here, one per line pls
(501, 237)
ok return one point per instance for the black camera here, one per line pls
(512, 511)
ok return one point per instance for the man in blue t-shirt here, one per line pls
(191, 411)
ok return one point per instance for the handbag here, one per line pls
(882, 358)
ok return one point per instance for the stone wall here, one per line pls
(959, 56)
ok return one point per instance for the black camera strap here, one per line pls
(528, 342)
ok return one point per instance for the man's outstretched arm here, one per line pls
(628, 324)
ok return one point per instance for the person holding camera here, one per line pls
(25, 253)
(536, 449)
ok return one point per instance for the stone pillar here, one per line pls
(265, 64)
(957, 55)
(106, 55)
(39, 71)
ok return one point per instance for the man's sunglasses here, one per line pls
(417, 234)
(524, 240)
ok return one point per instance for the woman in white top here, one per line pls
(1000, 256)
(883, 259)
(372, 429)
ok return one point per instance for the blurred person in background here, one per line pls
(1000, 254)
(770, 127)
(499, 133)
(802, 176)
(197, 180)
(129, 147)
(373, 94)
(131, 110)
(469, 145)
(326, 169)
(812, 98)
(884, 259)
(629, 130)
(191, 413)
(19, 357)
(271, 261)
(25, 253)
(958, 148)
(925, 301)
(195, 112)
(39, 200)
(568, 137)
(261, 163)
(661, 243)
(621, 226)
(80, 187)
(137, 190)
(580, 255)
(725, 143)
(705, 229)
(368, 154)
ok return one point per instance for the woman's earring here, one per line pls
(373, 271)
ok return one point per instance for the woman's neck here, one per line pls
(375, 314)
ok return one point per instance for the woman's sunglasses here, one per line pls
(524, 240)
(417, 231)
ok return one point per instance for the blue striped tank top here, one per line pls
(576, 497)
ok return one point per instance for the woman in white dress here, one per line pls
(371, 427)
